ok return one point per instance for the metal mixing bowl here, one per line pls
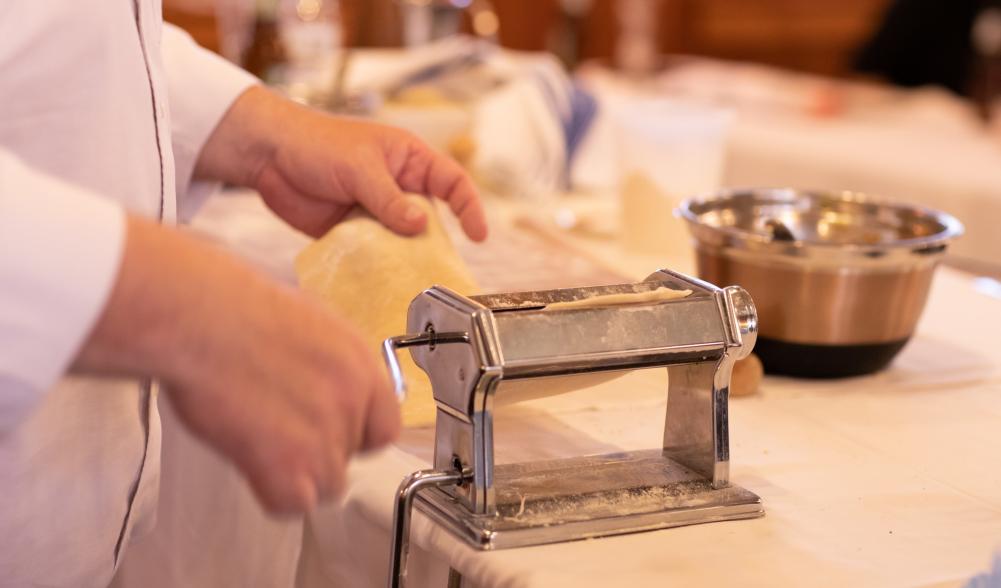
(839, 278)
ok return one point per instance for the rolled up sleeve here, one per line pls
(201, 87)
(60, 250)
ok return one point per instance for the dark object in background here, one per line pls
(924, 42)
(265, 51)
(950, 43)
(804, 360)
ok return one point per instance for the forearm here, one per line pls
(202, 87)
(174, 304)
(245, 140)
(259, 371)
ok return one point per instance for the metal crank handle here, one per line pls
(402, 510)
(429, 338)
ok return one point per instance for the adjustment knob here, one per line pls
(742, 309)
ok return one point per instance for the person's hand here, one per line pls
(312, 168)
(291, 394)
(270, 379)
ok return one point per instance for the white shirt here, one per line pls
(98, 114)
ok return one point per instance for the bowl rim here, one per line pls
(952, 227)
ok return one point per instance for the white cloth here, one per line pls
(519, 107)
(210, 530)
(85, 133)
(873, 481)
(876, 481)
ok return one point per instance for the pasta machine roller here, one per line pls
(474, 348)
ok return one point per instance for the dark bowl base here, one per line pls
(804, 360)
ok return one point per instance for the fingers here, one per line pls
(331, 479)
(294, 473)
(309, 215)
(374, 407)
(282, 488)
(387, 203)
(306, 493)
(295, 498)
(428, 172)
(447, 180)
(312, 192)
(383, 422)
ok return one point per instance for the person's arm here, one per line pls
(266, 376)
(201, 87)
(60, 247)
(270, 379)
(311, 168)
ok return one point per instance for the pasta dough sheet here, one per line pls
(511, 391)
(660, 294)
(533, 388)
(369, 274)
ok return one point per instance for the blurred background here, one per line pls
(824, 36)
(605, 114)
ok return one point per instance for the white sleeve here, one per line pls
(60, 249)
(201, 86)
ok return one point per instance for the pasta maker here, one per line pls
(474, 348)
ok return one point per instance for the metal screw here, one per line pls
(457, 466)
(429, 329)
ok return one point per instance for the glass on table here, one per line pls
(311, 34)
(668, 150)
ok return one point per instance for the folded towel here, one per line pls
(991, 579)
(529, 130)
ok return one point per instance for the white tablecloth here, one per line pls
(888, 480)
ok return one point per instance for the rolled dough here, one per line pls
(660, 294)
(369, 274)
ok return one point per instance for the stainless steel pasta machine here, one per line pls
(473, 348)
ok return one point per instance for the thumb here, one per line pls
(401, 213)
